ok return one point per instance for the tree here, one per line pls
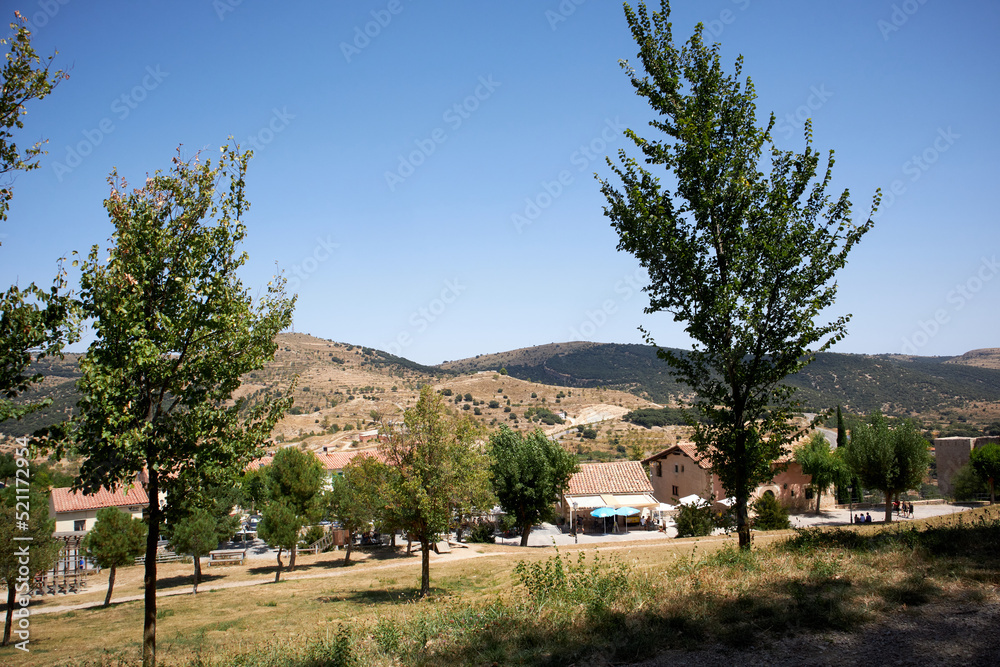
(294, 481)
(434, 466)
(771, 514)
(355, 499)
(694, 520)
(528, 472)
(891, 460)
(818, 461)
(32, 538)
(115, 540)
(280, 528)
(34, 323)
(985, 461)
(746, 260)
(198, 533)
(175, 330)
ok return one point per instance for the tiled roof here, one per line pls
(687, 448)
(330, 460)
(65, 500)
(616, 477)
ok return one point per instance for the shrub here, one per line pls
(444, 392)
(482, 533)
(494, 404)
(314, 533)
(771, 514)
(694, 521)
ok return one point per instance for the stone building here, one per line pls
(953, 453)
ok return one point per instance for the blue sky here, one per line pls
(424, 172)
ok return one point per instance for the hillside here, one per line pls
(985, 358)
(935, 387)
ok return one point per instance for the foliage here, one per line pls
(746, 260)
(435, 470)
(115, 540)
(889, 459)
(356, 497)
(596, 585)
(694, 520)
(280, 528)
(294, 481)
(967, 485)
(818, 461)
(528, 472)
(482, 533)
(985, 461)
(650, 417)
(175, 331)
(17, 523)
(34, 323)
(770, 513)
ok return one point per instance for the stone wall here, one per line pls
(953, 453)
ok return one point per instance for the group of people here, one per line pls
(863, 518)
(903, 509)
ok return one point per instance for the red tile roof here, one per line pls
(330, 460)
(65, 500)
(616, 477)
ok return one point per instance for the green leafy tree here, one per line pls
(198, 533)
(818, 461)
(528, 472)
(42, 549)
(694, 520)
(294, 481)
(356, 497)
(966, 484)
(114, 541)
(889, 459)
(280, 528)
(434, 464)
(771, 514)
(746, 260)
(985, 461)
(34, 323)
(175, 330)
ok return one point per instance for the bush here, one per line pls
(693, 521)
(771, 514)
(314, 533)
(967, 485)
(444, 392)
(494, 404)
(482, 533)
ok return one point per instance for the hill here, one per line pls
(935, 387)
(985, 358)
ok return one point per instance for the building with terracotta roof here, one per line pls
(76, 512)
(616, 484)
(680, 471)
(333, 462)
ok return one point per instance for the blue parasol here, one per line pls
(604, 513)
(626, 511)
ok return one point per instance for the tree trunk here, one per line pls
(111, 585)
(992, 495)
(277, 573)
(888, 506)
(819, 497)
(149, 580)
(347, 551)
(742, 521)
(525, 532)
(11, 599)
(425, 566)
(291, 560)
(197, 573)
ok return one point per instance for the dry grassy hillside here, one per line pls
(985, 358)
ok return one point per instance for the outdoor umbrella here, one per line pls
(626, 511)
(604, 513)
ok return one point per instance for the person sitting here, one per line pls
(868, 517)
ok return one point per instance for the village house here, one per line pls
(616, 484)
(680, 471)
(76, 512)
(333, 462)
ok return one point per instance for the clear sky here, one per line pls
(424, 171)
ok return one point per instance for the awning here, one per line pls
(641, 500)
(693, 499)
(585, 502)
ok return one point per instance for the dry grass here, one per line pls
(673, 593)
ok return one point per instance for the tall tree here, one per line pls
(174, 332)
(355, 499)
(746, 260)
(115, 540)
(985, 461)
(294, 480)
(890, 459)
(528, 472)
(818, 461)
(22, 537)
(34, 322)
(202, 516)
(280, 528)
(430, 462)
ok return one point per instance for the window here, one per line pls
(809, 493)
(676, 468)
(675, 491)
(659, 469)
(80, 525)
(682, 468)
